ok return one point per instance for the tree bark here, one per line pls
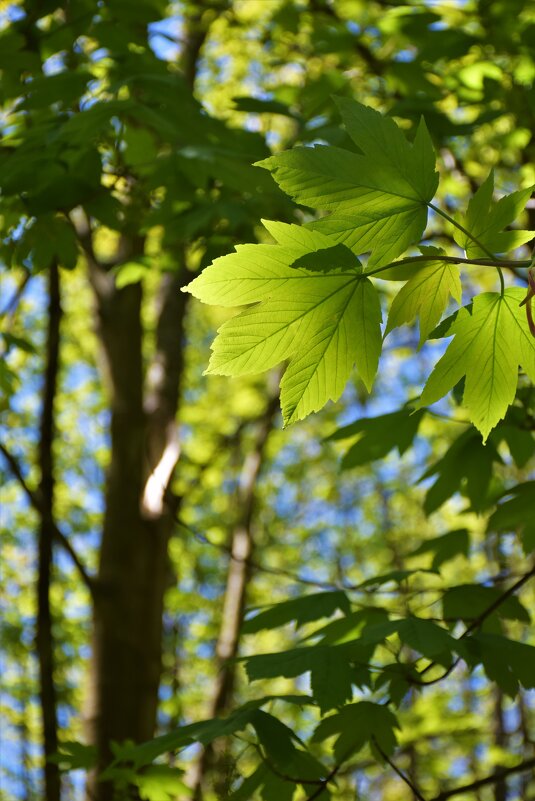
(500, 732)
(500, 739)
(214, 760)
(133, 569)
(44, 635)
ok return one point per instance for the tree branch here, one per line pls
(273, 571)
(241, 545)
(449, 260)
(330, 776)
(417, 794)
(11, 306)
(284, 776)
(498, 602)
(35, 501)
(492, 779)
(475, 624)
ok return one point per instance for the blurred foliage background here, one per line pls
(127, 135)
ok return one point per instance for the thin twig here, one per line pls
(475, 624)
(448, 260)
(330, 776)
(273, 571)
(284, 776)
(399, 772)
(498, 602)
(35, 501)
(492, 779)
(10, 307)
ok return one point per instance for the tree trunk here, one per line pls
(44, 636)
(500, 739)
(133, 567)
(500, 732)
(133, 570)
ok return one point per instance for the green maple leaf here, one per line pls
(468, 601)
(445, 547)
(322, 322)
(301, 610)
(486, 219)
(278, 742)
(356, 725)
(378, 197)
(377, 436)
(331, 676)
(466, 467)
(426, 294)
(489, 345)
(160, 783)
(276, 789)
(271, 786)
(331, 680)
(428, 639)
(505, 661)
(516, 514)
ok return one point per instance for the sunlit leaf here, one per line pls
(488, 347)
(378, 198)
(426, 295)
(322, 322)
(486, 219)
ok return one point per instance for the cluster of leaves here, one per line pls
(104, 128)
(317, 307)
(311, 303)
(384, 657)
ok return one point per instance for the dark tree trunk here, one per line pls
(133, 566)
(44, 636)
(133, 569)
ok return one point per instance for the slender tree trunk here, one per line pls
(469, 703)
(25, 740)
(500, 732)
(388, 526)
(174, 637)
(500, 739)
(44, 636)
(527, 741)
(215, 760)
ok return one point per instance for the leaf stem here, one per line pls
(502, 282)
(330, 776)
(462, 228)
(493, 262)
(447, 417)
(467, 233)
(415, 791)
